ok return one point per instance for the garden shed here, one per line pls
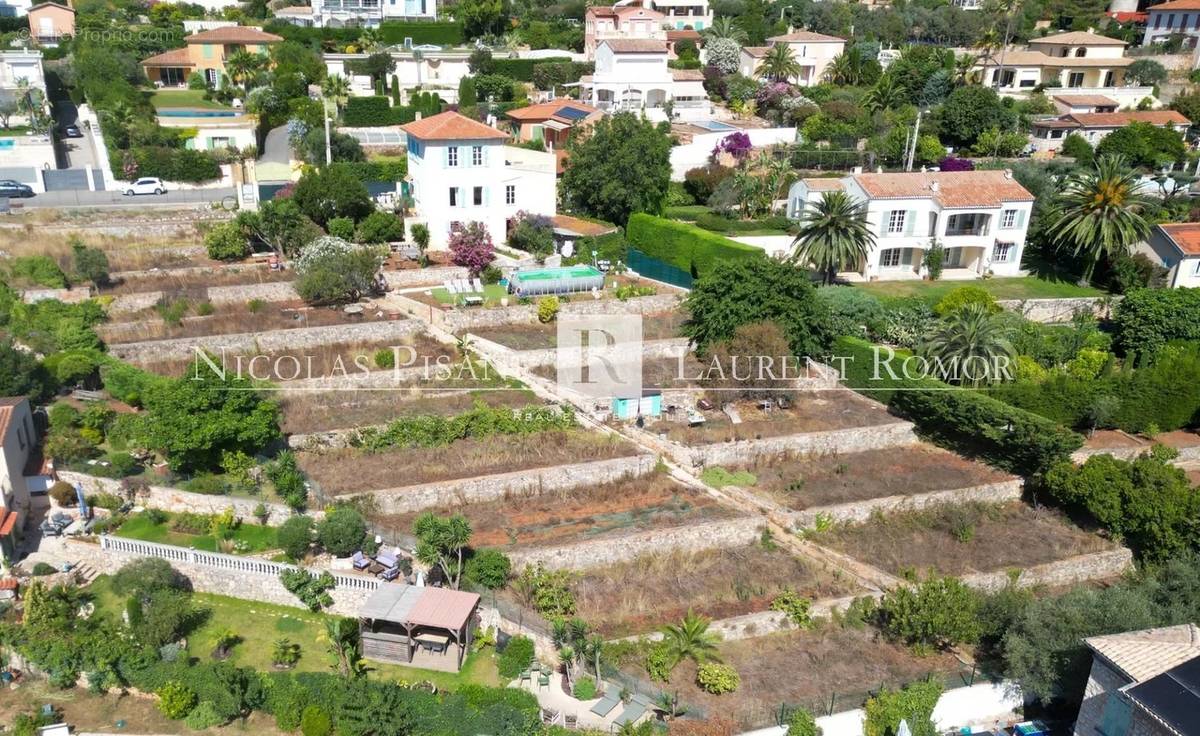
(419, 626)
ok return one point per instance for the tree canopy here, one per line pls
(623, 166)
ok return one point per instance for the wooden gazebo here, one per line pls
(418, 626)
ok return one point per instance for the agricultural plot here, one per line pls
(800, 482)
(194, 320)
(181, 281)
(605, 511)
(809, 412)
(658, 326)
(963, 539)
(348, 471)
(652, 590)
(305, 412)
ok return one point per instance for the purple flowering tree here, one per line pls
(472, 248)
(950, 163)
(735, 144)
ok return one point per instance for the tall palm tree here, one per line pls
(724, 27)
(336, 89)
(964, 69)
(241, 66)
(848, 68)
(342, 639)
(968, 342)
(833, 235)
(691, 639)
(1101, 213)
(780, 64)
(887, 94)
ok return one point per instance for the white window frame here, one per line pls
(477, 155)
(887, 254)
(452, 156)
(1002, 252)
(896, 222)
(510, 194)
(1008, 219)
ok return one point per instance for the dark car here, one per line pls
(71, 131)
(10, 188)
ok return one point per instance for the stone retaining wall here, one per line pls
(736, 532)
(249, 578)
(1186, 454)
(413, 277)
(1060, 310)
(1009, 490)
(466, 320)
(250, 343)
(177, 500)
(67, 296)
(651, 350)
(1080, 569)
(137, 302)
(762, 623)
(271, 291)
(491, 487)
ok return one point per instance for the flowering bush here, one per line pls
(320, 250)
(736, 144)
(950, 163)
(716, 678)
(724, 54)
(472, 248)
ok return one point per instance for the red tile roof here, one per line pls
(687, 75)
(636, 45)
(1122, 16)
(9, 584)
(174, 57)
(233, 34)
(7, 404)
(1087, 100)
(1078, 38)
(807, 37)
(444, 608)
(1183, 235)
(451, 126)
(547, 110)
(824, 184)
(756, 51)
(682, 34)
(1119, 119)
(8, 521)
(1176, 5)
(953, 188)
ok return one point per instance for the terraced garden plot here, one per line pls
(584, 514)
(305, 412)
(227, 319)
(809, 412)
(811, 669)
(803, 482)
(340, 472)
(657, 373)
(645, 593)
(315, 362)
(659, 326)
(175, 282)
(962, 539)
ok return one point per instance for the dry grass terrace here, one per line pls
(809, 412)
(229, 319)
(545, 518)
(340, 472)
(962, 539)
(807, 668)
(659, 326)
(129, 253)
(659, 373)
(650, 591)
(181, 284)
(807, 481)
(305, 412)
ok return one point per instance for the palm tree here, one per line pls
(369, 40)
(848, 68)
(336, 89)
(691, 639)
(1101, 213)
(780, 64)
(969, 343)
(833, 235)
(242, 65)
(887, 94)
(342, 639)
(964, 69)
(724, 27)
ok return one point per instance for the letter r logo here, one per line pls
(600, 356)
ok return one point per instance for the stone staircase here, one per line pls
(84, 573)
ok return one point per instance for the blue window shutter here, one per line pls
(445, 157)
(1020, 218)
(885, 218)
(487, 195)
(910, 220)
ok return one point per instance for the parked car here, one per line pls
(146, 185)
(10, 188)
(72, 131)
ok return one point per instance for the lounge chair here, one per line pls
(543, 680)
(449, 286)
(360, 561)
(386, 559)
(478, 284)
(611, 697)
(390, 574)
(634, 710)
(464, 286)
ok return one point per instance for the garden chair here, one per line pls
(611, 697)
(449, 286)
(543, 680)
(526, 676)
(386, 559)
(390, 574)
(360, 561)
(634, 710)
(464, 286)
(478, 286)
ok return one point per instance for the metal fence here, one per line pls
(652, 268)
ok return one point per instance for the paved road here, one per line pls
(197, 197)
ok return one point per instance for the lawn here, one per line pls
(492, 294)
(1025, 287)
(140, 526)
(184, 98)
(259, 625)
(13, 131)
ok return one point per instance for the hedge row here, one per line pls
(168, 164)
(370, 111)
(966, 421)
(441, 33)
(1147, 319)
(682, 245)
(387, 169)
(522, 69)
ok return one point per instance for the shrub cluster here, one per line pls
(684, 246)
(481, 421)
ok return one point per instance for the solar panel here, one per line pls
(572, 113)
(1174, 696)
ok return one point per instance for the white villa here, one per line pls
(632, 74)
(369, 13)
(1170, 18)
(1083, 63)
(460, 171)
(979, 217)
(1048, 134)
(1176, 247)
(812, 51)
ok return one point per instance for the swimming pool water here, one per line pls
(180, 112)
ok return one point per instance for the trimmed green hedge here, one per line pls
(682, 245)
(441, 33)
(966, 421)
(168, 164)
(389, 169)
(369, 111)
(522, 69)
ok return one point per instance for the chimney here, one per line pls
(935, 186)
(418, 117)
(878, 169)
(856, 170)
(1008, 173)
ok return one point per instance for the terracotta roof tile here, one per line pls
(450, 126)
(1031, 57)
(1176, 5)
(1088, 100)
(547, 110)
(9, 584)
(806, 37)
(233, 34)
(683, 34)
(174, 57)
(756, 51)
(1078, 38)
(824, 184)
(1141, 655)
(687, 75)
(636, 45)
(1184, 235)
(581, 227)
(7, 404)
(1118, 119)
(8, 521)
(443, 608)
(953, 188)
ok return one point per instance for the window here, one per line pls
(477, 197)
(1056, 134)
(477, 155)
(895, 222)
(452, 156)
(1001, 253)
(890, 258)
(1028, 83)
(1080, 52)
(1170, 20)
(453, 196)
(510, 194)
(1075, 79)
(1008, 219)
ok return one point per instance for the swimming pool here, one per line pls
(715, 126)
(562, 280)
(187, 112)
